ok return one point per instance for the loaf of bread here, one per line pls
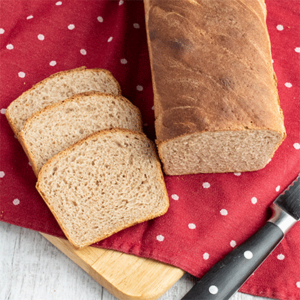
(107, 182)
(56, 88)
(60, 125)
(215, 96)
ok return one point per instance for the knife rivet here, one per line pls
(248, 254)
(213, 289)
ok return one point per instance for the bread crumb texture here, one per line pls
(219, 152)
(63, 124)
(58, 87)
(103, 184)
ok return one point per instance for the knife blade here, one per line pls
(229, 274)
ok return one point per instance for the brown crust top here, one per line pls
(65, 152)
(211, 67)
(80, 69)
(178, 122)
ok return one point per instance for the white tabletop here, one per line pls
(33, 269)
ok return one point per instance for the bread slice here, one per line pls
(60, 125)
(56, 88)
(107, 182)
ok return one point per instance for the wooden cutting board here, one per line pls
(125, 276)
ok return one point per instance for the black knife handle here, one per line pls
(229, 274)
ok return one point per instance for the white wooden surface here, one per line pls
(31, 268)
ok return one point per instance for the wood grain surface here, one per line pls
(33, 269)
(127, 277)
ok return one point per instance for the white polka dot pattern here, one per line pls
(21, 74)
(277, 188)
(136, 25)
(110, 39)
(41, 37)
(58, 3)
(175, 197)
(232, 243)
(192, 226)
(237, 174)
(16, 202)
(206, 185)
(279, 27)
(297, 49)
(121, 2)
(288, 84)
(160, 238)
(139, 88)
(2, 174)
(3, 110)
(83, 51)
(296, 146)
(100, 19)
(9, 47)
(2, 30)
(52, 63)
(71, 26)
(29, 17)
(223, 212)
(298, 284)
(254, 200)
(280, 257)
(124, 61)
(205, 256)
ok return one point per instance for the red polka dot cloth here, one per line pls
(209, 214)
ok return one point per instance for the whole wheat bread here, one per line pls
(215, 97)
(58, 87)
(60, 125)
(107, 182)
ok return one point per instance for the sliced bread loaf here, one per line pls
(56, 88)
(215, 97)
(107, 182)
(58, 126)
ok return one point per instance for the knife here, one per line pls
(229, 274)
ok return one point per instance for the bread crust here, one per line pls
(80, 69)
(97, 134)
(11, 123)
(29, 154)
(220, 96)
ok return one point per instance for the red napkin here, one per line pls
(209, 214)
